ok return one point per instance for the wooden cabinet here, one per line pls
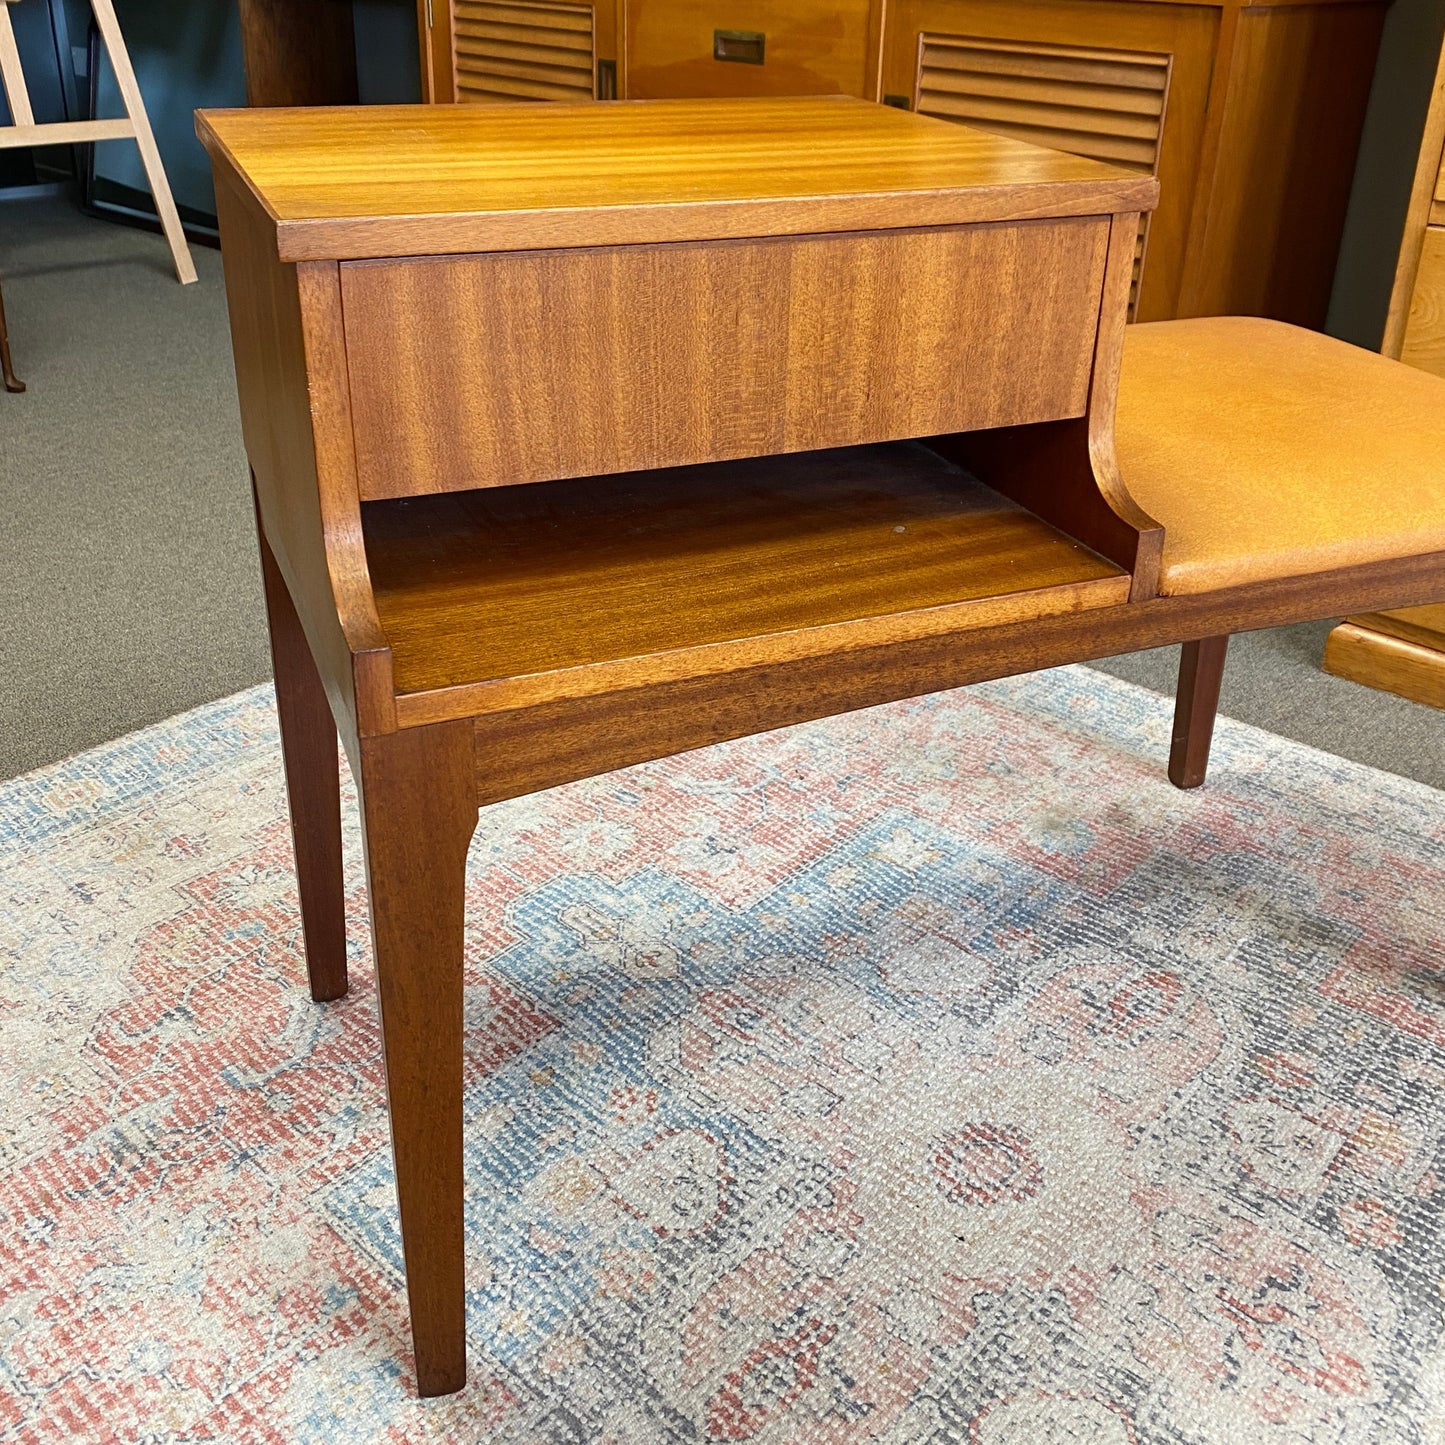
(1108, 103)
(1249, 114)
(489, 51)
(801, 47)
(1423, 343)
(523, 52)
(832, 341)
(1404, 652)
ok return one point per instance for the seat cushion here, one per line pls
(1269, 451)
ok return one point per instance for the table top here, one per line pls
(375, 181)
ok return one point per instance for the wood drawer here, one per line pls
(810, 47)
(486, 370)
(1424, 344)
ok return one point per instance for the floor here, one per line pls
(128, 579)
(946, 1076)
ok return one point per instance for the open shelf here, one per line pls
(561, 589)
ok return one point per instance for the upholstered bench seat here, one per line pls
(1268, 451)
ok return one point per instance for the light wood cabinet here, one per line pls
(1404, 652)
(807, 47)
(523, 52)
(1249, 114)
(490, 51)
(1423, 343)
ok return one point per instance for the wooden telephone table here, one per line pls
(707, 336)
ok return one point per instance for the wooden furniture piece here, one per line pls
(576, 442)
(807, 47)
(1249, 113)
(298, 52)
(1272, 453)
(7, 370)
(134, 125)
(1401, 652)
(1404, 652)
(495, 51)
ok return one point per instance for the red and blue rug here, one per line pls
(932, 1074)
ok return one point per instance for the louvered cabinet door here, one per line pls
(1105, 104)
(504, 50)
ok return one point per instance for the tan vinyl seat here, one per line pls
(1268, 451)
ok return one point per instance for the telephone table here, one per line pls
(587, 434)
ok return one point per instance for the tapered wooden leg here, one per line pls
(7, 372)
(313, 786)
(1201, 669)
(418, 793)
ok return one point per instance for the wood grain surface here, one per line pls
(298, 52)
(296, 423)
(1196, 702)
(1066, 471)
(478, 644)
(1266, 220)
(1424, 190)
(1390, 664)
(1264, 110)
(381, 181)
(590, 735)
(418, 813)
(1424, 626)
(813, 47)
(1423, 341)
(313, 786)
(526, 594)
(488, 370)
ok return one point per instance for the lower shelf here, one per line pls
(518, 595)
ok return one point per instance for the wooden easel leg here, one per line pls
(1201, 669)
(146, 142)
(7, 371)
(313, 786)
(418, 794)
(12, 78)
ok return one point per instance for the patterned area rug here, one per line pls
(936, 1073)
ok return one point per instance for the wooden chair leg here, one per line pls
(313, 786)
(419, 809)
(7, 371)
(1201, 669)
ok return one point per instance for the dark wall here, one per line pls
(1409, 52)
(187, 54)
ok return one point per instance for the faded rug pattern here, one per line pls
(936, 1073)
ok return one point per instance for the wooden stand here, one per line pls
(135, 125)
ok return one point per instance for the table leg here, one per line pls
(1196, 701)
(313, 786)
(418, 794)
(7, 371)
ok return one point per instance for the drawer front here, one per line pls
(1424, 344)
(482, 371)
(808, 47)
